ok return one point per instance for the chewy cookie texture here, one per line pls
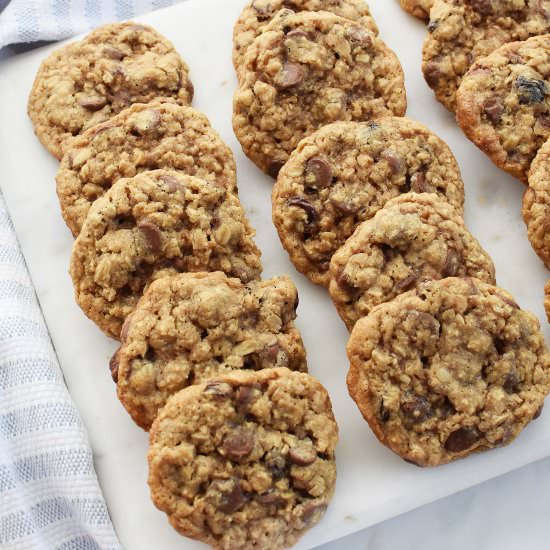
(344, 173)
(306, 70)
(503, 104)
(258, 13)
(412, 239)
(449, 369)
(89, 81)
(245, 460)
(192, 327)
(462, 31)
(142, 137)
(153, 225)
(418, 8)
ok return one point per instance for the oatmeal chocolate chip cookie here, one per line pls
(258, 13)
(87, 82)
(451, 368)
(191, 327)
(142, 137)
(307, 70)
(344, 173)
(503, 104)
(462, 31)
(547, 300)
(412, 239)
(246, 460)
(418, 8)
(536, 204)
(152, 225)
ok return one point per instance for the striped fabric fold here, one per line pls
(49, 493)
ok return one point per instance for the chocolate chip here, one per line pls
(302, 455)
(345, 282)
(538, 412)
(508, 301)
(92, 103)
(500, 345)
(432, 73)
(238, 444)
(291, 75)
(484, 7)
(530, 90)
(493, 109)
(418, 182)
(472, 288)
(433, 24)
(451, 264)
(407, 283)
(152, 234)
(383, 413)
(172, 184)
(262, 7)
(304, 204)
(312, 512)
(274, 167)
(511, 382)
(417, 409)
(297, 33)
(461, 439)
(271, 497)
(273, 355)
(276, 464)
(218, 389)
(318, 173)
(232, 500)
(346, 208)
(113, 53)
(396, 163)
(113, 366)
(125, 328)
(359, 34)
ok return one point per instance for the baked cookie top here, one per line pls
(451, 368)
(156, 224)
(142, 137)
(191, 327)
(418, 8)
(536, 204)
(414, 238)
(503, 104)
(306, 70)
(462, 31)
(245, 460)
(344, 173)
(258, 13)
(89, 81)
(547, 299)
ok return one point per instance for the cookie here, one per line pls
(142, 137)
(414, 238)
(192, 327)
(418, 8)
(245, 460)
(150, 226)
(547, 300)
(89, 81)
(503, 104)
(536, 204)
(462, 31)
(344, 173)
(307, 70)
(452, 368)
(258, 13)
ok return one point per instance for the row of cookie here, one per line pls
(216, 370)
(299, 71)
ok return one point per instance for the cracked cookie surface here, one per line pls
(140, 138)
(150, 226)
(307, 70)
(344, 173)
(191, 327)
(452, 368)
(503, 104)
(246, 460)
(462, 31)
(418, 8)
(89, 81)
(258, 13)
(536, 204)
(412, 239)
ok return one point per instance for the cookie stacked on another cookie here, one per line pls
(306, 70)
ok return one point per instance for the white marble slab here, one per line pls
(373, 484)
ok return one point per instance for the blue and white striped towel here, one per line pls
(49, 494)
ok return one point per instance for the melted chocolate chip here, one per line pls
(296, 33)
(302, 455)
(92, 103)
(383, 413)
(152, 234)
(461, 439)
(276, 464)
(232, 500)
(407, 283)
(484, 7)
(318, 173)
(359, 34)
(312, 512)
(275, 167)
(238, 444)
(218, 389)
(418, 182)
(113, 366)
(511, 382)
(493, 109)
(113, 53)
(452, 263)
(291, 75)
(432, 73)
(271, 497)
(417, 409)
(305, 205)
